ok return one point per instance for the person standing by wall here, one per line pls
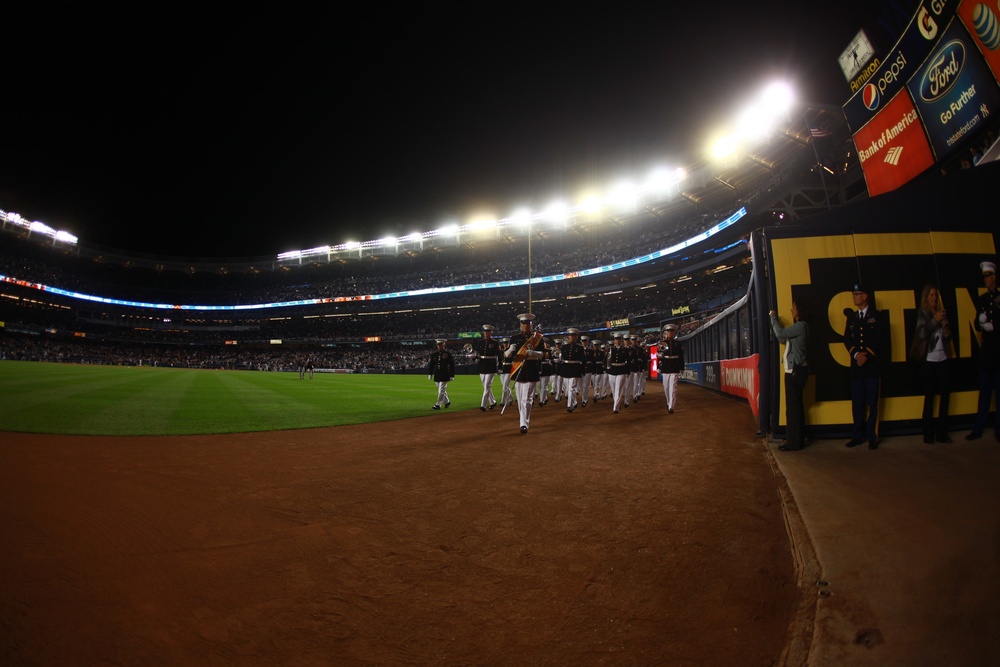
(987, 322)
(794, 361)
(932, 350)
(866, 338)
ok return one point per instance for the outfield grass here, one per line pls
(121, 400)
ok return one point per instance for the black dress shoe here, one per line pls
(448, 404)
(670, 410)
(944, 439)
(482, 409)
(616, 412)
(973, 436)
(524, 429)
(928, 439)
(873, 444)
(788, 448)
(853, 442)
(492, 405)
(435, 407)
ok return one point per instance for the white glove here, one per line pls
(429, 377)
(510, 352)
(987, 326)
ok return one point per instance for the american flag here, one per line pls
(818, 132)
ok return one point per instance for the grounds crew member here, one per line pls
(441, 369)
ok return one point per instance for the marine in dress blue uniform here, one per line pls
(488, 363)
(988, 325)
(441, 369)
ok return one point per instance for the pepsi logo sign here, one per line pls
(870, 96)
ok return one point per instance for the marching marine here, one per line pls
(525, 354)
(617, 365)
(571, 367)
(488, 363)
(670, 363)
(441, 369)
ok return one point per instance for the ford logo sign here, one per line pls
(943, 72)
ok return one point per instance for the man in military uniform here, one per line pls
(529, 344)
(488, 363)
(555, 354)
(641, 366)
(546, 375)
(617, 364)
(670, 363)
(441, 369)
(599, 371)
(988, 322)
(571, 367)
(866, 338)
(629, 344)
(588, 369)
(505, 396)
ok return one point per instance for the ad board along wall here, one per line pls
(932, 232)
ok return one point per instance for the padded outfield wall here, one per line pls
(935, 231)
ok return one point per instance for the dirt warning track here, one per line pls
(632, 539)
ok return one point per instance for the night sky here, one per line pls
(247, 129)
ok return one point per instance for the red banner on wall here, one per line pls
(892, 147)
(740, 377)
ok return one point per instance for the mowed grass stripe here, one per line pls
(114, 400)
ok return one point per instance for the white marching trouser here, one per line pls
(543, 388)
(505, 396)
(525, 397)
(442, 393)
(572, 386)
(585, 386)
(670, 388)
(618, 389)
(487, 380)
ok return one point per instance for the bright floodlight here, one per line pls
(41, 228)
(624, 196)
(661, 180)
(591, 205)
(448, 230)
(779, 97)
(482, 223)
(521, 217)
(724, 147)
(412, 238)
(557, 211)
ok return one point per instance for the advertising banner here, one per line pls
(893, 147)
(908, 54)
(982, 20)
(740, 377)
(954, 91)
